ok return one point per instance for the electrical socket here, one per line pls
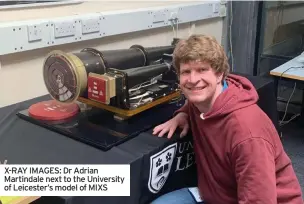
(64, 29)
(159, 16)
(216, 8)
(34, 32)
(90, 25)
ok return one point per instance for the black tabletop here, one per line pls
(22, 142)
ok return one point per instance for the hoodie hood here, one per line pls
(239, 94)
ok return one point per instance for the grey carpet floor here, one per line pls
(293, 142)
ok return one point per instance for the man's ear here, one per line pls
(219, 77)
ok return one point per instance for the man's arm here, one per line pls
(254, 163)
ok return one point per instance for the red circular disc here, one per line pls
(52, 110)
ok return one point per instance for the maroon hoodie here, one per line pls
(239, 155)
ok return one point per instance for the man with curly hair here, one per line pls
(238, 152)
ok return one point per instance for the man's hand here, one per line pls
(180, 120)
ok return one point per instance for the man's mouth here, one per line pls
(196, 88)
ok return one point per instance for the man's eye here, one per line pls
(202, 70)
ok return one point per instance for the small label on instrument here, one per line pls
(97, 89)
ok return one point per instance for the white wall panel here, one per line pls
(33, 34)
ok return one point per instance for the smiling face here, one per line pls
(201, 64)
(200, 84)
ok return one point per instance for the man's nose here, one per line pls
(193, 77)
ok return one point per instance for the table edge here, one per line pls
(290, 76)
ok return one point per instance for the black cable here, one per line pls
(282, 122)
(301, 67)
